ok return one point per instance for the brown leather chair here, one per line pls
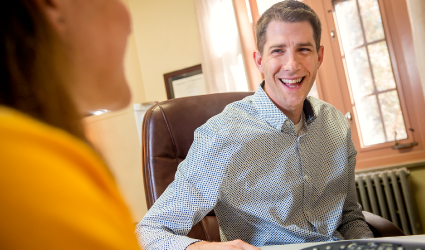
(167, 135)
(381, 227)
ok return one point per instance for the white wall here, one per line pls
(167, 39)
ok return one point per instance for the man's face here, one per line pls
(289, 63)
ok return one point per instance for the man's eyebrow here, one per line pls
(308, 44)
(278, 46)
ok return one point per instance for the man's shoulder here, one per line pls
(322, 108)
(328, 117)
(234, 115)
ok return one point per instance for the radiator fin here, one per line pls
(387, 193)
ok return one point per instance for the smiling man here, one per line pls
(277, 167)
(289, 61)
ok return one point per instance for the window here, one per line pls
(222, 65)
(375, 81)
(369, 73)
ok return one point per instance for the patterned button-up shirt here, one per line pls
(267, 185)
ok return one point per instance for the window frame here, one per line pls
(376, 92)
(383, 154)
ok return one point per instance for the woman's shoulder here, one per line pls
(26, 135)
(16, 123)
(31, 145)
(58, 184)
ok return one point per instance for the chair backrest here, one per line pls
(167, 134)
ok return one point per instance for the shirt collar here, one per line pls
(268, 111)
(309, 111)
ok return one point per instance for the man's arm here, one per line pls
(168, 221)
(353, 225)
(189, 197)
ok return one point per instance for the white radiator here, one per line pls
(387, 193)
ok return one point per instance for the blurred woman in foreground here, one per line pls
(60, 59)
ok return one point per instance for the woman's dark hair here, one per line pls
(33, 72)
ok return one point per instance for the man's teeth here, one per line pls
(287, 81)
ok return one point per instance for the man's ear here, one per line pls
(53, 10)
(258, 61)
(320, 54)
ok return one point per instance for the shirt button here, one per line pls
(306, 177)
(308, 214)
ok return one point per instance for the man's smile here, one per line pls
(292, 83)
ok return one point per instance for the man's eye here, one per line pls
(305, 49)
(277, 51)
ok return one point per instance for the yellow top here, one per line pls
(55, 191)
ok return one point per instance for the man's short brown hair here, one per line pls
(290, 11)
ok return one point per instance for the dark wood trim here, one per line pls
(179, 74)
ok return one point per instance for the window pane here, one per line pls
(359, 73)
(370, 122)
(393, 117)
(381, 66)
(372, 21)
(349, 24)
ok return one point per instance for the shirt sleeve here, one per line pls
(353, 225)
(191, 196)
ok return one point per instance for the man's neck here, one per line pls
(295, 115)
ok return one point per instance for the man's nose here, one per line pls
(291, 63)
